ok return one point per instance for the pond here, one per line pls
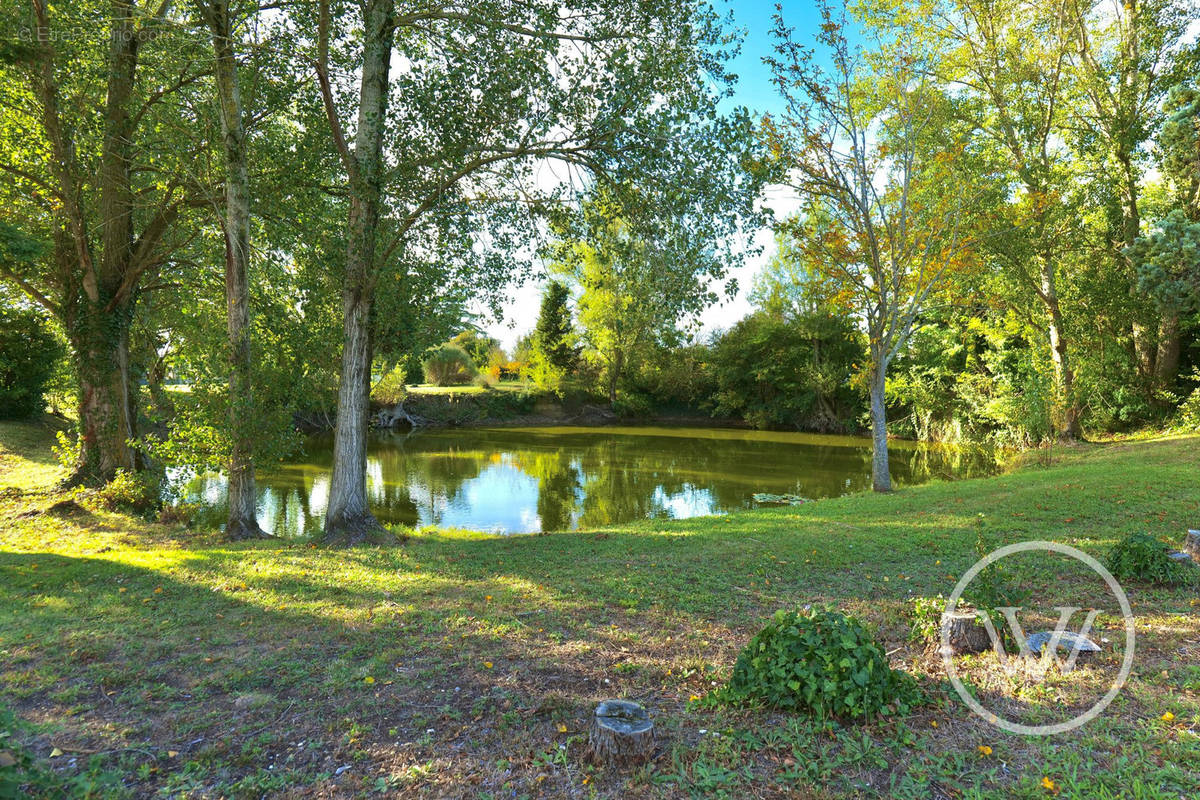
(529, 479)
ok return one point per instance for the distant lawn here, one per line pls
(171, 664)
(502, 386)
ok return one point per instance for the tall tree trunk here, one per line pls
(881, 477)
(100, 343)
(98, 309)
(1064, 375)
(1169, 340)
(1145, 344)
(348, 519)
(242, 522)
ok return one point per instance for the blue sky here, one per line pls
(753, 90)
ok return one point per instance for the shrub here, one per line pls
(926, 615)
(1188, 416)
(448, 365)
(132, 492)
(391, 387)
(1140, 556)
(819, 661)
(29, 358)
(794, 373)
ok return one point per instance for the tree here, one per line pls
(105, 189)
(595, 89)
(870, 148)
(242, 522)
(641, 268)
(1009, 65)
(793, 372)
(1125, 55)
(553, 352)
(479, 346)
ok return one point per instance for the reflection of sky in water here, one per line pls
(527, 480)
(690, 501)
(501, 498)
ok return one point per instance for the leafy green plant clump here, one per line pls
(131, 492)
(823, 662)
(1141, 557)
(448, 365)
(29, 356)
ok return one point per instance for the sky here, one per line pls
(753, 90)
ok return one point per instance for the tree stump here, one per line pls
(621, 734)
(967, 634)
(1191, 545)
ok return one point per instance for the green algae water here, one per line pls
(530, 479)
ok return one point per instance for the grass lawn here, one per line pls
(501, 386)
(153, 660)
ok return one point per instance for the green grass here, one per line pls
(467, 666)
(502, 386)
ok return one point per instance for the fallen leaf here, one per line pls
(55, 753)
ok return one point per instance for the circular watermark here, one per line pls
(1016, 727)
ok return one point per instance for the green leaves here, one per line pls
(1142, 557)
(822, 662)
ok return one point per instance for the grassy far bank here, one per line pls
(166, 663)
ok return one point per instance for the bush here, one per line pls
(1140, 556)
(391, 387)
(796, 373)
(1188, 416)
(820, 661)
(29, 358)
(131, 492)
(926, 615)
(448, 365)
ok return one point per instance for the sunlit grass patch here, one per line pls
(270, 665)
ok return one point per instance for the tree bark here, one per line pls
(614, 375)
(881, 478)
(100, 343)
(348, 519)
(1064, 375)
(621, 734)
(1167, 363)
(242, 522)
(97, 310)
(965, 634)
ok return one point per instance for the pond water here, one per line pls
(523, 480)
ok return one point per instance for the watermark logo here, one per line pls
(1048, 645)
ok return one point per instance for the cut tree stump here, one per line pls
(967, 634)
(621, 734)
(1191, 545)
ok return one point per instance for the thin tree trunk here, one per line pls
(348, 519)
(881, 477)
(242, 522)
(614, 375)
(1064, 376)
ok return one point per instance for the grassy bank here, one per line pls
(150, 659)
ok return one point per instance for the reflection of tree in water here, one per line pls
(559, 486)
(583, 478)
(418, 471)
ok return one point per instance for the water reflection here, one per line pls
(522, 480)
